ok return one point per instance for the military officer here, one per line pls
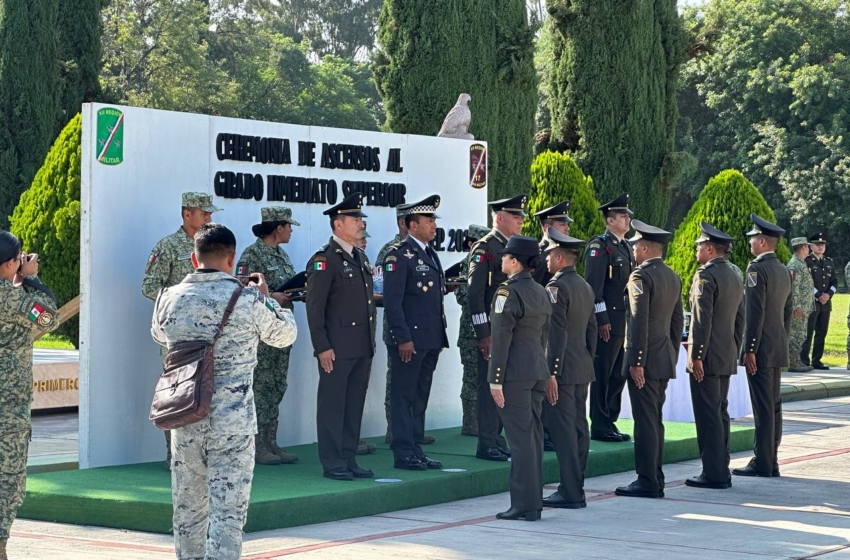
(803, 302)
(214, 457)
(466, 341)
(379, 262)
(171, 259)
(653, 337)
(518, 373)
(716, 331)
(414, 286)
(572, 343)
(765, 353)
(608, 262)
(555, 217)
(340, 304)
(267, 257)
(826, 284)
(27, 308)
(485, 276)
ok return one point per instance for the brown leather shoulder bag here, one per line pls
(184, 391)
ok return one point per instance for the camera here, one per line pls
(21, 266)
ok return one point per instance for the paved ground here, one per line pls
(803, 514)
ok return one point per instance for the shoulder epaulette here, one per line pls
(322, 249)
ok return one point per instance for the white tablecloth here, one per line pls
(678, 407)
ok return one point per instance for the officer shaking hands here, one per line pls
(414, 287)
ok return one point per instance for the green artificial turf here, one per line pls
(138, 497)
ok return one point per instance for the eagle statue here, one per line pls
(456, 123)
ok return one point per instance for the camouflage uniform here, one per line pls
(214, 458)
(379, 262)
(24, 311)
(468, 345)
(169, 263)
(802, 290)
(270, 375)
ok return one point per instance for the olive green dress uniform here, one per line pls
(485, 277)
(270, 375)
(653, 337)
(572, 343)
(608, 262)
(557, 213)
(715, 336)
(340, 307)
(520, 318)
(825, 279)
(768, 322)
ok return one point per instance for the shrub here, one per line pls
(726, 202)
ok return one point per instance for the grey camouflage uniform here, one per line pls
(802, 297)
(214, 458)
(24, 312)
(270, 375)
(379, 262)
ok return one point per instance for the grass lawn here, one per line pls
(53, 342)
(835, 350)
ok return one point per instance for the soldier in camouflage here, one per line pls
(214, 457)
(467, 343)
(170, 259)
(27, 308)
(268, 258)
(803, 302)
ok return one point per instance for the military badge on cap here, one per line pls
(425, 207)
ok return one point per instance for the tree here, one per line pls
(47, 219)
(613, 91)
(79, 30)
(555, 177)
(28, 105)
(769, 93)
(726, 202)
(431, 52)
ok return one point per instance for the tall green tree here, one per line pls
(769, 94)
(79, 30)
(613, 92)
(28, 85)
(430, 52)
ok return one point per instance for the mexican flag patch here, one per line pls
(320, 266)
(35, 313)
(242, 270)
(390, 267)
(594, 252)
(478, 258)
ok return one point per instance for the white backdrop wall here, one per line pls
(128, 207)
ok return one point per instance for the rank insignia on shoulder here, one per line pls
(503, 291)
(637, 287)
(553, 293)
(499, 303)
(320, 265)
(752, 279)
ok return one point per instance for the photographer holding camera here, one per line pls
(26, 308)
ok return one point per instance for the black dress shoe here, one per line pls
(357, 472)
(513, 514)
(491, 454)
(635, 490)
(430, 463)
(819, 365)
(410, 463)
(750, 470)
(427, 440)
(555, 500)
(339, 473)
(775, 472)
(504, 450)
(702, 482)
(610, 437)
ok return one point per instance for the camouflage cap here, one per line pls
(277, 214)
(476, 232)
(797, 241)
(199, 200)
